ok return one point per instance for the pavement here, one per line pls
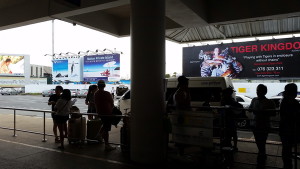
(28, 151)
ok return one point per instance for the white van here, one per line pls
(198, 87)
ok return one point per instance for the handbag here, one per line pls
(116, 118)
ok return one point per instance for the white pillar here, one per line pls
(147, 86)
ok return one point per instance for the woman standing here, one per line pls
(61, 117)
(90, 101)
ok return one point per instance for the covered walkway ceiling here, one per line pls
(186, 20)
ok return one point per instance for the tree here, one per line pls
(167, 76)
(174, 74)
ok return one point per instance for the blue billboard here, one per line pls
(60, 69)
(101, 67)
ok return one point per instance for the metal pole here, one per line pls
(52, 37)
(14, 124)
(44, 138)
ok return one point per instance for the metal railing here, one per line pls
(44, 122)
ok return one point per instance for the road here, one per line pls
(39, 102)
(33, 102)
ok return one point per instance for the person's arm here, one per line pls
(87, 99)
(50, 101)
(73, 102)
(251, 106)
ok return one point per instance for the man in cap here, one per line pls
(104, 104)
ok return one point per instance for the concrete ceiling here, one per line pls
(186, 20)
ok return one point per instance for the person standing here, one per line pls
(262, 110)
(289, 123)
(230, 114)
(182, 101)
(52, 101)
(61, 117)
(104, 104)
(90, 100)
(182, 97)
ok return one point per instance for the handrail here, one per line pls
(44, 120)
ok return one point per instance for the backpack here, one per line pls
(115, 120)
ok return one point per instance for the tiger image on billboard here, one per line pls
(219, 63)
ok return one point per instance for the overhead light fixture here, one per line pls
(108, 50)
(70, 53)
(97, 50)
(92, 52)
(81, 52)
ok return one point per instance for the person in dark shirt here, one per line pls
(52, 101)
(289, 123)
(230, 113)
(104, 104)
(90, 100)
(262, 110)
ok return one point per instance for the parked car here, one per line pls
(83, 93)
(281, 94)
(9, 91)
(197, 85)
(48, 93)
(20, 90)
(244, 100)
(74, 92)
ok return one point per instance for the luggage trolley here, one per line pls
(201, 127)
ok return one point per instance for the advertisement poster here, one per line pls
(105, 67)
(74, 69)
(11, 65)
(60, 70)
(276, 58)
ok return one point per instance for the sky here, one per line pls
(36, 40)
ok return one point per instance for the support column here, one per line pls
(147, 86)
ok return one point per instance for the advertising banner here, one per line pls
(12, 65)
(277, 58)
(105, 67)
(74, 69)
(67, 69)
(60, 69)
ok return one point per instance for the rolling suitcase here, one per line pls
(93, 131)
(76, 130)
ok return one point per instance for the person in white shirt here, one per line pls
(63, 106)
